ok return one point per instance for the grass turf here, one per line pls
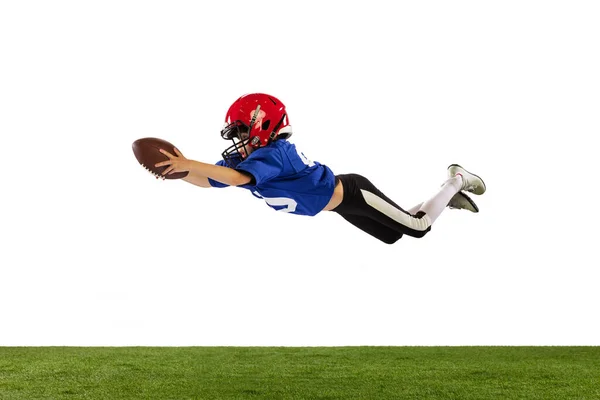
(299, 373)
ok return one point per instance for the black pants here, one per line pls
(367, 208)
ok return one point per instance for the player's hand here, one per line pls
(175, 163)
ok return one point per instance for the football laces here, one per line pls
(157, 176)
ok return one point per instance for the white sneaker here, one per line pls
(461, 201)
(471, 182)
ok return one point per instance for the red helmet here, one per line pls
(254, 119)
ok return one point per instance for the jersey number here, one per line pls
(286, 204)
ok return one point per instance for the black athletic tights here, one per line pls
(367, 208)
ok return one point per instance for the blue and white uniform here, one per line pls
(285, 179)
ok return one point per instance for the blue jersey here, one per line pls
(286, 179)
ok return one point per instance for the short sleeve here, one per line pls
(263, 164)
(218, 184)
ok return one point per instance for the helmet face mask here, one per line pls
(254, 120)
(237, 132)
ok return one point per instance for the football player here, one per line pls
(262, 160)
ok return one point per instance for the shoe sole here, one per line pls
(469, 200)
(477, 176)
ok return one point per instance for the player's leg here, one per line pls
(460, 201)
(437, 204)
(373, 228)
(458, 179)
(366, 223)
(415, 209)
(450, 193)
(362, 198)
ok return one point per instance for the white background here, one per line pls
(95, 251)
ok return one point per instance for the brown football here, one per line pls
(147, 152)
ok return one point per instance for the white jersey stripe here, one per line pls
(418, 224)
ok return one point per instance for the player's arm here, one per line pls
(197, 180)
(199, 172)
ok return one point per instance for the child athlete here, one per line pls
(262, 160)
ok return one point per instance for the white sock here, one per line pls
(434, 206)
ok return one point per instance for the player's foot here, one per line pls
(471, 182)
(461, 201)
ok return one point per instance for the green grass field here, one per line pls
(299, 373)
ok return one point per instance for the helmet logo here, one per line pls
(257, 115)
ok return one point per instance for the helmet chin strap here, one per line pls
(274, 132)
